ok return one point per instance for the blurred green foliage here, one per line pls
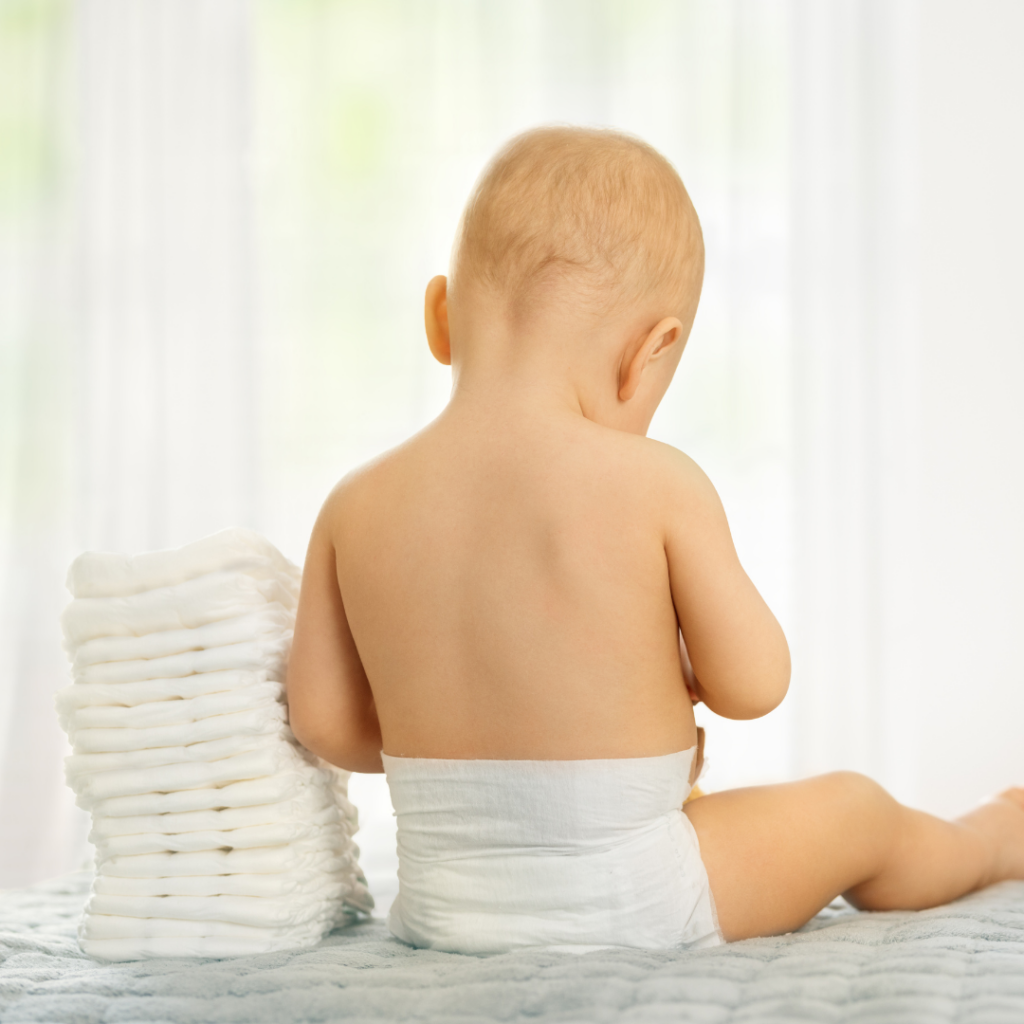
(31, 31)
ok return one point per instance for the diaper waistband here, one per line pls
(455, 804)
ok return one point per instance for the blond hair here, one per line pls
(594, 209)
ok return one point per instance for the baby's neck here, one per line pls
(549, 370)
(512, 392)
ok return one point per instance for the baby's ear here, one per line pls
(435, 317)
(659, 341)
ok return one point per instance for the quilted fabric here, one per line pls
(962, 963)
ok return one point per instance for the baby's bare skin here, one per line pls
(521, 567)
(511, 582)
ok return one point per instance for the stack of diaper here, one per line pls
(216, 834)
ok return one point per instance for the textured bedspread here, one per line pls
(964, 962)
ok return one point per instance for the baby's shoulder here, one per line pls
(361, 494)
(663, 485)
(655, 465)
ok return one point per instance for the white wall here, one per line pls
(971, 690)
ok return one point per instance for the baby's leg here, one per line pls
(775, 855)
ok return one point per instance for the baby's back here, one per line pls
(506, 584)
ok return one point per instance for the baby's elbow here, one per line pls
(775, 688)
(753, 708)
(312, 731)
(756, 702)
(351, 749)
(309, 733)
(773, 696)
(775, 668)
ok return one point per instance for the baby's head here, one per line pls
(575, 232)
(584, 212)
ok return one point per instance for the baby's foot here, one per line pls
(1000, 823)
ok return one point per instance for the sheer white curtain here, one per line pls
(211, 309)
(164, 334)
(128, 337)
(854, 297)
(39, 834)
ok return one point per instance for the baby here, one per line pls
(518, 605)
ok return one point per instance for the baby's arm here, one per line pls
(737, 648)
(330, 706)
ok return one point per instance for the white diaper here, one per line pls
(495, 855)
(269, 656)
(103, 574)
(82, 695)
(216, 834)
(210, 598)
(270, 623)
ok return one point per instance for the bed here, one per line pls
(963, 962)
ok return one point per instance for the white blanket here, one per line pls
(951, 965)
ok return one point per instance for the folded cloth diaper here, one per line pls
(258, 720)
(210, 598)
(308, 805)
(101, 574)
(272, 621)
(270, 656)
(128, 695)
(216, 834)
